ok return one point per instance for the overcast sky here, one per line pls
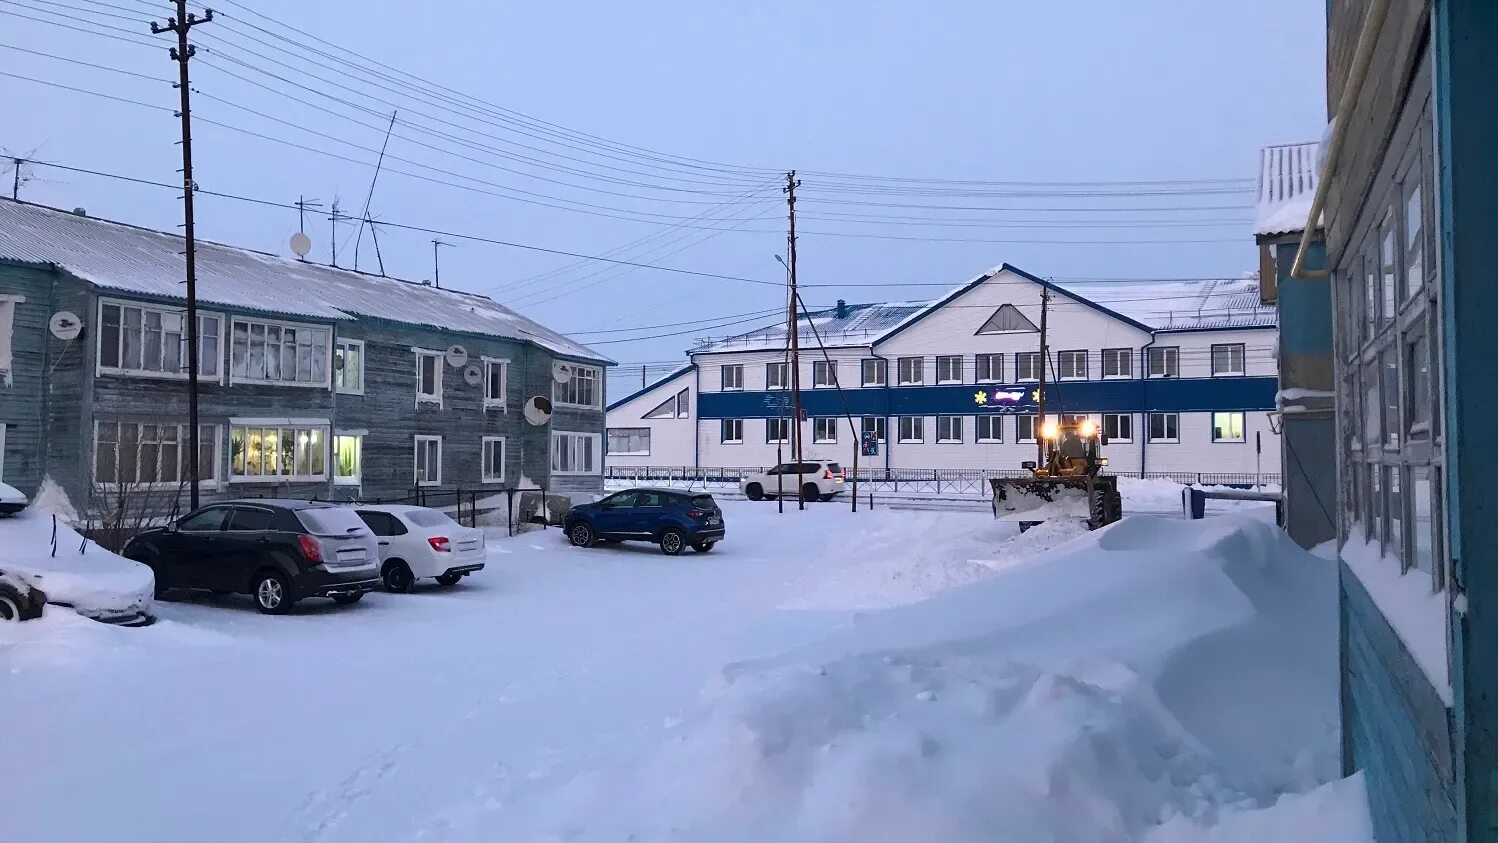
(712, 99)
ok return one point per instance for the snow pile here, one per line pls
(1333, 813)
(52, 500)
(80, 574)
(1415, 610)
(1158, 671)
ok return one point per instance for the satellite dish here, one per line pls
(538, 410)
(561, 372)
(65, 325)
(457, 356)
(301, 244)
(473, 375)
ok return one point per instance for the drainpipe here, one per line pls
(697, 418)
(1144, 395)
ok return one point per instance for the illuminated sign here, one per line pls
(1007, 399)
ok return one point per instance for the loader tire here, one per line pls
(1097, 509)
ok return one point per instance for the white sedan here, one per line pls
(416, 542)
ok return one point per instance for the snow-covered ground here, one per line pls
(821, 676)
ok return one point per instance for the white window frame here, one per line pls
(341, 346)
(771, 440)
(1071, 355)
(491, 402)
(327, 374)
(1170, 358)
(785, 376)
(439, 361)
(881, 369)
(215, 482)
(1149, 430)
(948, 358)
(8, 305)
(824, 374)
(723, 434)
(738, 377)
(1242, 427)
(995, 366)
(576, 436)
(881, 428)
(1019, 429)
(418, 443)
(949, 439)
(1129, 416)
(819, 430)
(920, 371)
(1229, 346)
(995, 422)
(181, 375)
(918, 434)
(580, 374)
(486, 445)
(1035, 363)
(1126, 371)
(649, 434)
(358, 477)
(282, 424)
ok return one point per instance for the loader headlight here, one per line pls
(1050, 430)
(1087, 428)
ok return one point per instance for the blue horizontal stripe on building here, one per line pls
(1162, 395)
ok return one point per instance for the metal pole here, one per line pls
(1045, 299)
(790, 191)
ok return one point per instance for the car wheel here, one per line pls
(398, 577)
(703, 547)
(810, 492)
(12, 604)
(272, 593)
(672, 542)
(448, 579)
(581, 534)
(755, 492)
(348, 599)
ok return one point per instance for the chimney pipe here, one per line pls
(842, 309)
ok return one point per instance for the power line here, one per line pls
(751, 314)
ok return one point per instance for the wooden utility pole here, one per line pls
(1045, 357)
(182, 54)
(791, 183)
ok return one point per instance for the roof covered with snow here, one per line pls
(143, 261)
(857, 325)
(1181, 305)
(1287, 184)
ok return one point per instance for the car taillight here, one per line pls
(309, 547)
(827, 475)
(695, 513)
(440, 544)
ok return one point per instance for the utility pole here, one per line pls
(791, 183)
(182, 54)
(333, 240)
(1045, 355)
(15, 185)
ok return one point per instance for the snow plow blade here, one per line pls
(1032, 500)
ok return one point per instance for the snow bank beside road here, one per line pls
(1159, 671)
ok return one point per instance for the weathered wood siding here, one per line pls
(22, 404)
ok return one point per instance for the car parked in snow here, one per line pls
(11, 500)
(44, 560)
(276, 551)
(671, 518)
(417, 543)
(819, 479)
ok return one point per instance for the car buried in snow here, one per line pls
(43, 560)
(11, 500)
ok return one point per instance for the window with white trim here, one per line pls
(429, 377)
(1227, 360)
(348, 366)
(731, 431)
(990, 428)
(1071, 365)
(427, 460)
(824, 431)
(149, 455)
(912, 371)
(989, 367)
(877, 425)
(8, 302)
(874, 371)
(496, 382)
(1164, 362)
(684, 404)
(492, 459)
(1027, 366)
(1024, 429)
(583, 389)
(1118, 363)
(144, 340)
(1227, 427)
(1165, 427)
(733, 378)
(777, 431)
(823, 373)
(277, 452)
(776, 376)
(1118, 427)
(912, 429)
(948, 429)
(575, 453)
(629, 441)
(348, 459)
(279, 352)
(949, 368)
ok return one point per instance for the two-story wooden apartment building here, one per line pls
(1180, 375)
(313, 380)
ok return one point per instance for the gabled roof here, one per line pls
(642, 390)
(1287, 185)
(141, 261)
(1183, 305)
(859, 325)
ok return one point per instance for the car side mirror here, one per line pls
(171, 526)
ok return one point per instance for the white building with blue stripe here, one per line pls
(1181, 376)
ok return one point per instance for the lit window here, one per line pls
(347, 459)
(271, 452)
(1227, 427)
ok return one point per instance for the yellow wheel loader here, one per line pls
(1070, 484)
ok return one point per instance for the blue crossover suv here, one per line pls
(671, 518)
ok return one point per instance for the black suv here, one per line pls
(276, 551)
